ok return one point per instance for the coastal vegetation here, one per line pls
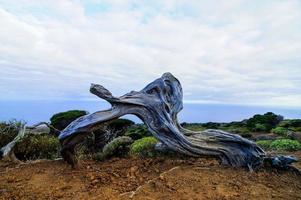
(123, 155)
(270, 131)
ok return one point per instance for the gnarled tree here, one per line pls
(7, 152)
(157, 105)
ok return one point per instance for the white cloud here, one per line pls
(241, 52)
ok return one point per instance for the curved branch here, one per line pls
(43, 123)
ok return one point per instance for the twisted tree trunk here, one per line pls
(157, 105)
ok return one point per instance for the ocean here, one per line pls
(36, 111)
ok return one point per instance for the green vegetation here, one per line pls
(211, 125)
(8, 131)
(292, 124)
(268, 122)
(280, 131)
(119, 124)
(137, 131)
(286, 144)
(63, 119)
(287, 123)
(260, 128)
(118, 146)
(41, 146)
(135, 139)
(144, 147)
(280, 144)
(264, 123)
(233, 127)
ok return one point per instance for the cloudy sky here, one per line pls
(229, 52)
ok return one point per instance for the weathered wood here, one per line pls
(157, 105)
(7, 152)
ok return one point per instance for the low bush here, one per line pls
(280, 144)
(286, 145)
(297, 129)
(265, 122)
(287, 123)
(41, 146)
(63, 119)
(137, 131)
(106, 132)
(211, 125)
(117, 146)
(280, 131)
(144, 147)
(260, 128)
(119, 124)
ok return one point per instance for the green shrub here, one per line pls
(107, 131)
(41, 146)
(280, 144)
(137, 131)
(118, 124)
(264, 122)
(290, 123)
(117, 146)
(280, 131)
(296, 129)
(144, 147)
(63, 119)
(286, 145)
(260, 128)
(265, 144)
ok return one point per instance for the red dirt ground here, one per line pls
(134, 178)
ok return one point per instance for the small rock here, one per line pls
(3, 190)
(133, 169)
(169, 184)
(92, 177)
(115, 174)
(94, 182)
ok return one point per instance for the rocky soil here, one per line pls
(158, 178)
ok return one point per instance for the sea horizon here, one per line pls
(34, 111)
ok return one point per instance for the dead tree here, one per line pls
(157, 105)
(7, 152)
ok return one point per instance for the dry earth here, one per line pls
(122, 178)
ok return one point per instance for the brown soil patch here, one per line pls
(123, 178)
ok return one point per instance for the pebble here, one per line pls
(94, 182)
